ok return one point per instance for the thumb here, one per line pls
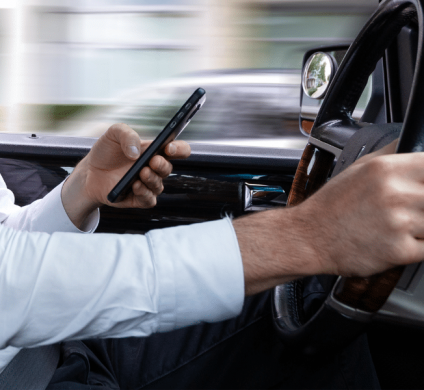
(127, 138)
(131, 151)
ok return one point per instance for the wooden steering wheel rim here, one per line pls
(353, 300)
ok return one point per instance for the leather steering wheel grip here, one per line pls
(353, 300)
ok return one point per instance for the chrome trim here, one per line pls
(405, 303)
(322, 145)
(259, 197)
(311, 112)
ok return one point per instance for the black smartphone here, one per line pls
(171, 131)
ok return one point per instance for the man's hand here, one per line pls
(109, 159)
(367, 219)
(375, 217)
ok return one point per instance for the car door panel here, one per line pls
(210, 184)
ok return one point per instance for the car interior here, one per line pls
(220, 179)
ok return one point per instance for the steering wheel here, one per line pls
(352, 302)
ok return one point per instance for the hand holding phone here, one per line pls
(171, 131)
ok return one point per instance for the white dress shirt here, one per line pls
(58, 284)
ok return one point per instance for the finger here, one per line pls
(178, 150)
(151, 180)
(408, 165)
(161, 166)
(140, 189)
(127, 138)
(142, 196)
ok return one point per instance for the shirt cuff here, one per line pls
(50, 215)
(200, 273)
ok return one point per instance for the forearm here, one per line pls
(275, 248)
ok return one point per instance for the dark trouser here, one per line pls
(241, 353)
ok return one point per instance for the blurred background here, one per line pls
(76, 66)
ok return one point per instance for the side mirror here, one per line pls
(318, 72)
(319, 68)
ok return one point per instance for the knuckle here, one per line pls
(390, 193)
(169, 169)
(147, 200)
(164, 167)
(405, 252)
(399, 251)
(142, 191)
(378, 167)
(117, 127)
(155, 183)
(398, 221)
(123, 132)
(157, 163)
(385, 188)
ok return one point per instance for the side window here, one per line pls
(74, 68)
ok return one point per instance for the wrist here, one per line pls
(77, 202)
(318, 237)
(299, 254)
(276, 249)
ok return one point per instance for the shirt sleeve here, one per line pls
(44, 215)
(70, 286)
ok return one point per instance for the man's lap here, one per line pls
(244, 352)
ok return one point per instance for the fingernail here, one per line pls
(133, 151)
(172, 149)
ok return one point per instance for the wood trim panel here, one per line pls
(312, 173)
(368, 294)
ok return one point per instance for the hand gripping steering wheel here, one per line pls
(352, 301)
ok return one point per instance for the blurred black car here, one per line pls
(257, 107)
